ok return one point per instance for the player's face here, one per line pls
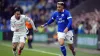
(17, 14)
(59, 8)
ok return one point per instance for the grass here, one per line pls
(5, 50)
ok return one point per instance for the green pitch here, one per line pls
(5, 50)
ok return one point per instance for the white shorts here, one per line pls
(19, 38)
(67, 36)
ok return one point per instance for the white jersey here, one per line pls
(20, 24)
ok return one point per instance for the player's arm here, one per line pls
(30, 21)
(69, 18)
(51, 20)
(13, 26)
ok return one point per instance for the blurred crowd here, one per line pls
(40, 11)
(87, 22)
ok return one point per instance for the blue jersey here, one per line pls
(63, 19)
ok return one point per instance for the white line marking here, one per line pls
(33, 50)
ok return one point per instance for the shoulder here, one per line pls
(66, 11)
(12, 18)
(55, 13)
(23, 16)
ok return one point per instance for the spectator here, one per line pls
(75, 34)
(94, 26)
(50, 32)
(98, 34)
(87, 26)
(81, 28)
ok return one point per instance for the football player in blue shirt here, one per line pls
(64, 22)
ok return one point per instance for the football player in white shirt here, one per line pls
(18, 27)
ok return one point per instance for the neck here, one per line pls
(17, 18)
(62, 10)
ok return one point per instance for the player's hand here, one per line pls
(17, 30)
(42, 25)
(66, 30)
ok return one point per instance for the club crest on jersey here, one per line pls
(57, 16)
(62, 15)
